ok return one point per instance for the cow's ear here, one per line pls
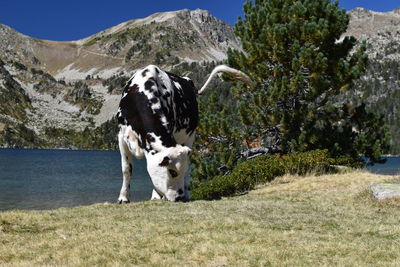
(165, 162)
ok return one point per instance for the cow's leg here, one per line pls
(127, 166)
(155, 195)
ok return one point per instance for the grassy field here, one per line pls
(294, 221)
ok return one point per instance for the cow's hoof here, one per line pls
(124, 201)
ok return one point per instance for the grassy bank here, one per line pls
(313, 220)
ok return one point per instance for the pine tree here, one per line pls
(302, 73)
(301, 69)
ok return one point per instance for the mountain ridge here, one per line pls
(56, 56)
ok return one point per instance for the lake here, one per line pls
(48, 179)
(390, 167)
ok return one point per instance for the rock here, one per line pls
(383, 191)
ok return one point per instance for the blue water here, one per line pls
(48, 179)
(390, 167)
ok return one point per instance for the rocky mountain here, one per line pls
(380, 30)
(52, 92)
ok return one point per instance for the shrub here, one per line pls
(261, 170)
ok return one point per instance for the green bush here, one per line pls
(261, 170)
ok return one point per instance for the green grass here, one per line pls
(293, 221)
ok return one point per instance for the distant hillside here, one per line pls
(167, 38)
(63, 94)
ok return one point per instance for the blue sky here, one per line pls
(63, 20)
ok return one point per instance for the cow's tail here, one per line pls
(234, 73)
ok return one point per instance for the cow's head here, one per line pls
(167, 170)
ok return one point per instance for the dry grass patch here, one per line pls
(294, 221)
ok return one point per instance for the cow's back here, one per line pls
(160, 107)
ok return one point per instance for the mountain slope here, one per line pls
(182, 35)
(74, 86)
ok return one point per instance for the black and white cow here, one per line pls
(158, 116)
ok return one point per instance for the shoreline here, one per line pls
(60, 149)
(83, 149)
